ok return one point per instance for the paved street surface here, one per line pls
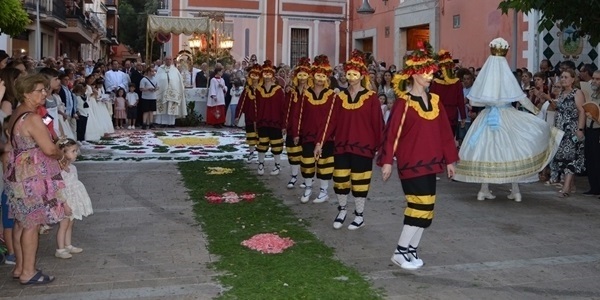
(142, 242)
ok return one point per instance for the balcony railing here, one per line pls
(54, 8)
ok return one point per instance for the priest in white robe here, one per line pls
(170, 102)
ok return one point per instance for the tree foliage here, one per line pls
(133, 15)
(584, 15)
(13, 17)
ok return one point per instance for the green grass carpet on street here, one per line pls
(307, 270)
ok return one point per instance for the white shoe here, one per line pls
(261, 169)
(403, 261)
(276, 170)
(322, 197)
(62, 253)
(250, 157)
(414, 257)
(340, 218)
(292, 182)
(303, 185)
(358, 222)
(516, 197)
(306, 194)
(482, 196)
(72, 249)
(132, 127)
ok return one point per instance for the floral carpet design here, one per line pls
(169, 145)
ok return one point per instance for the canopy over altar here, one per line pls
(174, 25)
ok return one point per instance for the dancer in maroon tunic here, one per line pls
(270, 103)
(315, 107)
(450, 90)
(247, 106)
(356, 125)
(419, 136)
(294, 96)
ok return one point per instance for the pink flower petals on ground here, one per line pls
(268, 243)
(229, 197)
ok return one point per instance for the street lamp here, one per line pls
(226, 43)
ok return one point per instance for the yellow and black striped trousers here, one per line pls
(251, 135)
(294, 152)
(270, 137)
(352, 172)
(325, 164)
(420, 199)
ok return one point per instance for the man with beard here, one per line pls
(592, 141)
(316, 105)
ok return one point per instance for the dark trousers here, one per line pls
(81, 127)
(592, 158)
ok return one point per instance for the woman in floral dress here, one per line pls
(32, 177)
(570, 118)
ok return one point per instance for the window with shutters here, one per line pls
(298, 45)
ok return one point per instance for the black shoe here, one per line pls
(591, 193)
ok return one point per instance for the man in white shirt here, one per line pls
(89, 67)
(115, 79)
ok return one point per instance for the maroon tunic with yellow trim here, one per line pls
(313, 113)
(270, 104)
(247, 105)
(292, 109)
(426, 144)
(451, 95)
(356, 125)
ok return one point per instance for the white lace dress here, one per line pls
(76, 194)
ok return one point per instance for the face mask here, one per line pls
(267, 75)
(302, 75)
(352, 75)
(321, 78)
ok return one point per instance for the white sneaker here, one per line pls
(250, 157)
(340, 218)
(482, 196)
(62, 253)
(261, 169)
(358, 222)
(322, 196)
(133, 127)
(403, 261)
(414, 257)
(306, 194)
(516, 197)
(303, 185)
(292, 182)
(72, 249)
(276, 170)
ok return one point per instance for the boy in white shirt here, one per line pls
(132, 102)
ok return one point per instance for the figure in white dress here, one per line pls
(99, 121)
(504, 145)
(77, 198)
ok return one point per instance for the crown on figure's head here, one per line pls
(499, 47)
(321, 65)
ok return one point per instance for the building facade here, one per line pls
(279, 30)
(78, 29)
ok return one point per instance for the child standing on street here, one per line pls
(132, 102)
(77, 198)
(120, 111)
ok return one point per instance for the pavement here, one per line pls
(143, 243)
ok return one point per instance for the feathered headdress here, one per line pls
(357, 63)
(267, 67)
(256, 69)
(420, 61)
(321, 65)
(446, 65)
(302, 66)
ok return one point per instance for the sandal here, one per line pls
(563, 195)
(39, 278)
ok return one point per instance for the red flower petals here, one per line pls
(268, 243)
(229, 197)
